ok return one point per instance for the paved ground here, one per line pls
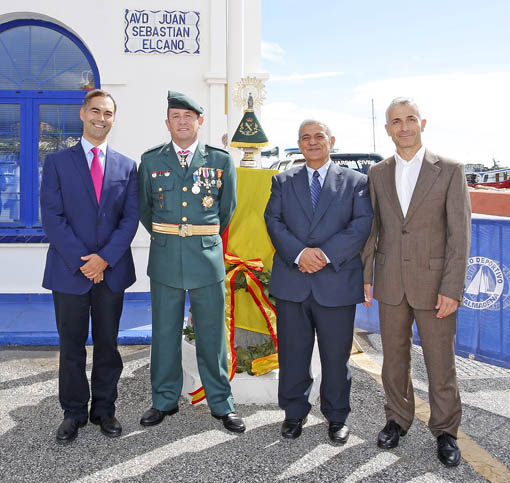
(192, 446)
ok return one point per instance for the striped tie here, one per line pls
(315, 189)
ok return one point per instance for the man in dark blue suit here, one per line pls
(89, 210)
(318, 217)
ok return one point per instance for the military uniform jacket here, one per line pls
(167, 196)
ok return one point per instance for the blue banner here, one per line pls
(483, 322)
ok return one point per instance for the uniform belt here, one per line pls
(185, 229)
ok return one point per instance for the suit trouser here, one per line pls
(437, 341)
(208, 311)
(297, 324)
(73, 312)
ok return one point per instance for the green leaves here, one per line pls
(263, 277)
(189, 332)
(245, 356)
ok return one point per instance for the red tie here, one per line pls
(97, 173)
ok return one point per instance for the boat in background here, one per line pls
(495, 177)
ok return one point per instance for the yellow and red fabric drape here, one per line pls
(248, 247)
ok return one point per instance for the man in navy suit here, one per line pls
(318, 217)
(89, 210)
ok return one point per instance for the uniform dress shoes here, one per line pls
(110, 425)
(291, 428)
(232, 422)
(338, 432)
(390, 434)
(68, 430)
(154, 416)
(447, 450)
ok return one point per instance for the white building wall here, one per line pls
(139, 83)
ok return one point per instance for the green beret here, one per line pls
(177, 100)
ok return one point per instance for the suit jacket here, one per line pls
(76, 226)
(426, 252)
(166, 197)
(339, 227)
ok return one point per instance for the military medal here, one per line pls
(206, 176)
(157, 174)
(213, 174)
(219, 174)
(196, 184)
(207, 201)
(183, 155)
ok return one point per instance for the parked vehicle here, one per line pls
(357, 161)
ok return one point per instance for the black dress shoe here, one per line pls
(110, 425)
(68, 430)
(447, 450)
(390, 434)
(232, 422)
(154, 416)
(291, 428)
(338, 432)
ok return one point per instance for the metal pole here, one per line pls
(373, 124)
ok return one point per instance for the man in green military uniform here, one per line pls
(187, 198)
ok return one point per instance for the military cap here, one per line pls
(177, 100)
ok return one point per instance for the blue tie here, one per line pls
(315, 189)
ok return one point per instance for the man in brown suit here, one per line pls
(420, 240)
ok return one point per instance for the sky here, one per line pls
(328, 59)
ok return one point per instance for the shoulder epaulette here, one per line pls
(154, 148)
(216, 149)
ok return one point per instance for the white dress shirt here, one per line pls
(323, 171)
(406, 175)
(192, 149)
(87, 149)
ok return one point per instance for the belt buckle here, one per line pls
(185, 230)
